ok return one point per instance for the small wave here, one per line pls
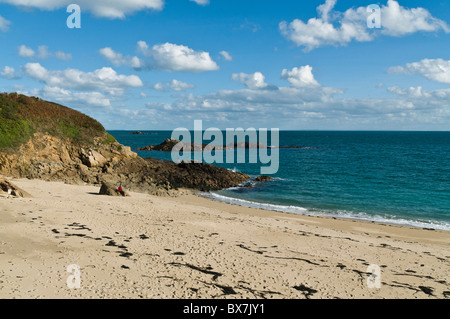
(247, 203)
(281, 179)
(429, 224)
(273, 178)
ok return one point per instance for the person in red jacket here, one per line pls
(120, 190)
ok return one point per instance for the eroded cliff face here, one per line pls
(48, 157)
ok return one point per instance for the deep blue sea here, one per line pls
(392, 177)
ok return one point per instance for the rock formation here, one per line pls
(43, 140)
(111, 190)
(9, 188)
(168, 145)
(263, 178)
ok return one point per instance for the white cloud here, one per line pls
(318, 107)
(248, 25)
(226, 55)
(42, 53)
(398, 21)
(118, 59)
(179, 58)
(142, 46)
(415, 92)
(201, 2)
(8, 73)
(300, 77)
(4, 24)
(253, 81)
(60, 95)
(104, 79)
(325, 9)
(63, 56)
(433, 69)
(173, 85)
(336, 28)
(159, 86)
(307, 106)
(26, 52)
(101, 8)
(419, 94)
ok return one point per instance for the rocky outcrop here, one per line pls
(9, 188)
(165, 146)
(66, 145)
(263, 178)
(92, 158)
(205, 177)
(110, 190)
(137, 133)
(48, 158)
(170, 143)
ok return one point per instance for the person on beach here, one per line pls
(120, 190)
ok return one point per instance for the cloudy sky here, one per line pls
(300, 65)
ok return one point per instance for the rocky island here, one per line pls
(169, 144)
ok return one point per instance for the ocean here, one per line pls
(391, 177)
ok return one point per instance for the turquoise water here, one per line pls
(394, 177)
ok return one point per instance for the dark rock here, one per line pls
(111, 243)
(306, 290)
(110, 190)
(137, 133)
(6, 185)
(427, 290)
(263, 178)
(168, 145)
(165, 146)
(246, 145)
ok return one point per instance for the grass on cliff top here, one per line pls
(22, 116)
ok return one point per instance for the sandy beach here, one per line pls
(190, 247)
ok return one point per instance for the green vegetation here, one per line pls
(109, 139)
(68, 130)
(21, 116)
(14, 132)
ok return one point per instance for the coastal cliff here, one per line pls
(44, 140)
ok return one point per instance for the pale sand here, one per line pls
(198, 248)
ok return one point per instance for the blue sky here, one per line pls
(161, 64)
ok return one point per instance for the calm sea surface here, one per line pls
(395, 177)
